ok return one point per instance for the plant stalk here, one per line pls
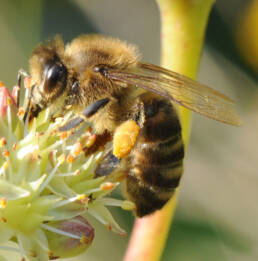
(183, 25)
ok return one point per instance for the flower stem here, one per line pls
(183, 28)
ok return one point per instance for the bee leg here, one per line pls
(87, 113)
(124, 138)
(21, 73)
(107, 165)
(71, 124)
(31, 111)
(94, 107)
(111, 168)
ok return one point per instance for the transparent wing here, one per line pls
(180, 89)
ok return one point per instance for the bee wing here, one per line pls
(180, 89)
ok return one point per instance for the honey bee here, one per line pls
(102, 79)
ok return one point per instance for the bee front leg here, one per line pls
(21, 73)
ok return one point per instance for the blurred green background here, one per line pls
(217, 214)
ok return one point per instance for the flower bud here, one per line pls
(70, 237)
(5, 99)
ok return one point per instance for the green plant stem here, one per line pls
(183, 28)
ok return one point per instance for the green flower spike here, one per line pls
(47, 186)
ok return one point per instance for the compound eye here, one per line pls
(54, 76)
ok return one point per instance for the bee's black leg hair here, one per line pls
(87, 113)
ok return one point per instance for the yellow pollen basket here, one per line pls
(124, 138)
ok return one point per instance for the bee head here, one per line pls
(48, 73)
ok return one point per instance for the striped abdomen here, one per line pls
(155, 164)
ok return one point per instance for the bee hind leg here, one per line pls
(125, 137)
